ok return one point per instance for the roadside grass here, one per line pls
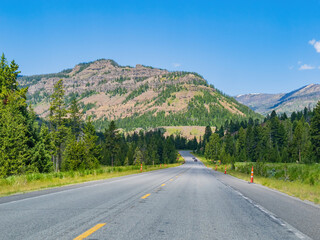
(306, 188)
(37, 181)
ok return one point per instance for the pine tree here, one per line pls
(112, 141)
(138, 156)
(315, 131)
(92, 147)
(41, 156)
(75, 154)
(207, 133)
(229, 144)
(75, 117)
(213, 147)
(14, 130)
(249, 142)
(14, 150)
(57, 118)
(8, 80)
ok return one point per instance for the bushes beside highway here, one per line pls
(298, 180)
(308, 174)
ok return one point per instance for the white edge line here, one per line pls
(270, 214)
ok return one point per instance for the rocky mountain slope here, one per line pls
(138, 96)
(297, 100)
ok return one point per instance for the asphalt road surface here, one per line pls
(186, 202)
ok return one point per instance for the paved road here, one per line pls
(187, 202)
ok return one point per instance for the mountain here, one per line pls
(140, 96)
(296, 100)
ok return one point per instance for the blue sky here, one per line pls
(240, 47)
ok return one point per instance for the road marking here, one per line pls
(177, 176)
(270, 214)
(90, 231)
(163, 185)
(171, 179)
(145, 196)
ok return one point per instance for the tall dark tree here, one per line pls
(112, 141)
(75, 117)
(213, 147)
(14, 129)
(315, 131)
(207, 133)
(57, 118)
(41, 155)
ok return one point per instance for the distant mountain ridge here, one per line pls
(140, 96)
(296, 100)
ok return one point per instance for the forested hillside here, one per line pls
(64, 141)
(137, 97)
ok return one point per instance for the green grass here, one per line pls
(172, 131)
(195, 132)
(298, 180)
(37, 181)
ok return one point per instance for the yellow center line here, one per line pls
(177, 176)
(90, 231)
(163, 185)
(171, 179)
(145, 196)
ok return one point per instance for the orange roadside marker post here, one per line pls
(251, 180)
(216, 167)
(225, 170)
(141, 168)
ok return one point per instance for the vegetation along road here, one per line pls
(186, 202)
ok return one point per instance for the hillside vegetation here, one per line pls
(65, 141)
(138, 96)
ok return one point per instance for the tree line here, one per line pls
(64, 141)
(279, 138)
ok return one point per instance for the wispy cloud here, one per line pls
(291, 67)
(306, 67)
(315, 44)
(176, 65)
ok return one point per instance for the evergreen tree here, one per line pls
(207, 133)
(138, 156)
(315, 131)
(130, 154)
(169, 152)
(241, 145)
(57, 118)
(41, 156)
(75, 117)
(213, 147)
(112, 141)
(15, 133)
(229, 144)
(93, 149)
(249, 142)
(14, 150)
(82, 153)
(8, 80)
